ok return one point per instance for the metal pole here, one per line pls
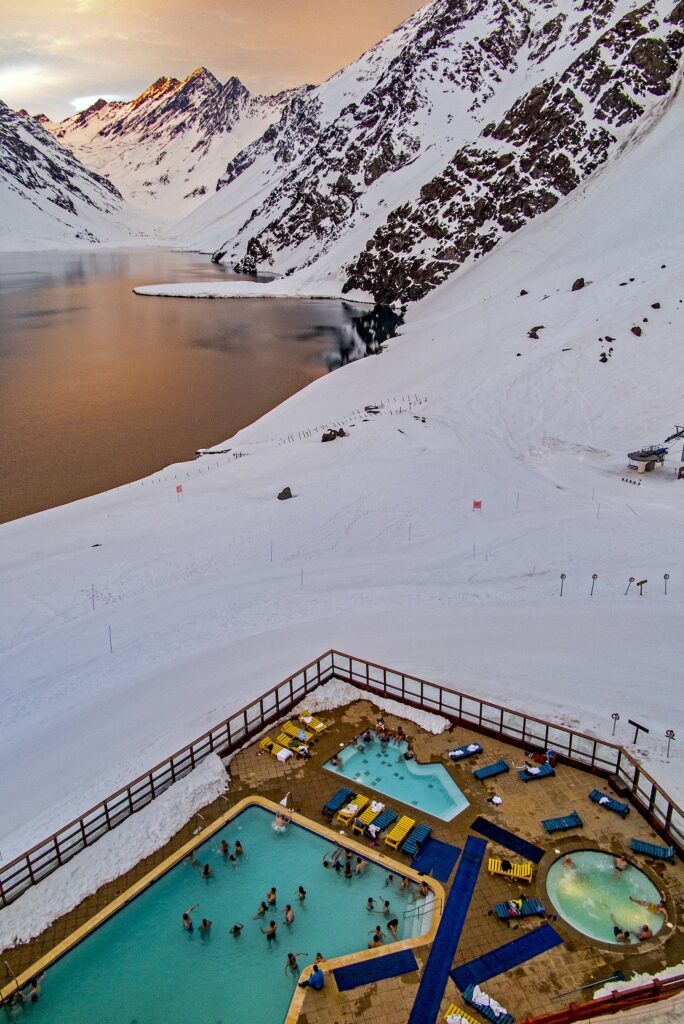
(593, 582)
(616, 719)
(562, 579)
(92, 594)
(666, 578)
(631, 581)
(670, 736)
(111, 649)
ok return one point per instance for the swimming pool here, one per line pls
(380, 768)
(142, 967)
(586, 889)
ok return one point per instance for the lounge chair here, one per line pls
(297, 732)
(455, 1011)
(603, 800)
(561, 824)
(527, 908)
(291, 743)
(416, 839)
(353, 809)
(545, 770)
(368, 816)
(467, 750)
(651, 850)
(312, 723)
(486, 1011)
(490, 770)
(342, 796)
(399, 832)
(276, 749)
(381, 823)
(519, 872)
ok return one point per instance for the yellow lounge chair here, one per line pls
(312, 723)
(359, 804)
(368, 816)
(290, 742)
(270, 746)
(297, 732)
(519, 872)
(462, 1014)
(399, 832)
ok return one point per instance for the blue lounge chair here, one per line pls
(603, 800)
(561, 824)
(416, 839)
(381, 823)
(485, 1011)
(505, 912)
(491, 769)
(467, 750)
(341, 797)
(651, 850)
(544, 771)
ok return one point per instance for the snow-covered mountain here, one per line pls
(470, 119)
(166, 149)
(47, 197)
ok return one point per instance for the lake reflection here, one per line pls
(99, 386)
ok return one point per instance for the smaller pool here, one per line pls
(593, 896)
(381, 768)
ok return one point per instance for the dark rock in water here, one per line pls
(655, 305)
(532, 333)
(579, 283)
(285, 494)
(637, 331)
(523, 291)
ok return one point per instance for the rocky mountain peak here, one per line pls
(155, 91)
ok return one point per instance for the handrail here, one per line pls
(416, 911)
(580, 749)
(627, 999)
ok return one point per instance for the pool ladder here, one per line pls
(417, 913)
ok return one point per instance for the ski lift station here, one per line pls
(646, 459)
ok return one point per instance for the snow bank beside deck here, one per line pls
(112, 855)
(337, 694)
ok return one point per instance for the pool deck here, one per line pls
(527, 989)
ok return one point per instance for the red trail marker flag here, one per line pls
(179, 490)
(477, 504)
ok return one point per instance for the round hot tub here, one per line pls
(590, 892)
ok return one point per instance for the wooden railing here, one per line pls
(652, 992)
(526, 731)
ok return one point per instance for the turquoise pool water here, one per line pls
(381, 768)
(141, 967)
(589, 890)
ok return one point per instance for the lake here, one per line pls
(99, 386)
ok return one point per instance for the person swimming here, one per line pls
(347, 869)
(653, 908)
(377, 938)
(370, 905)
(621, 935)
(385, 908)
(238, 848)
(187, 920)
(644, 933)
(291, 965)
(405, 884)
(271, 897)
(33, 993)
(281, 822)
(224, 849)
(301, 893)
(207, 871)
(361, 866)
(620, 864)
(270, 932)
(336, 761)
(261, 911)
(289, 915)
(392, 927)
(236, 929)
(333, 862)
(205, 928)
(389, 880)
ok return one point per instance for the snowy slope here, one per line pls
(48, 198)
(380, 552)
(472, 118)
(166, 149)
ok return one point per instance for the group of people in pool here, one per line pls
(30, 994)
(645, 932)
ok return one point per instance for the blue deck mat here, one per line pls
(507, 839)
(433, 981)
(377, 969)
(437, 859)
(506, 957)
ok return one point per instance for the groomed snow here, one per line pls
(112, 855)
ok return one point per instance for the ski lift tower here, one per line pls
(646, 459)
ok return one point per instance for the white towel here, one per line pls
(283, 755)
(604, 800)
(533, 771)
(351, 809)
(373, 831)
(473, 746)
(455, 1018)
(377, 806)
(454, 754)
(307, 718)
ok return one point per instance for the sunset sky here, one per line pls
(56, 58)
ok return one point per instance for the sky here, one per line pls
(56, 58)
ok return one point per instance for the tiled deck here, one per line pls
(526, 990)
